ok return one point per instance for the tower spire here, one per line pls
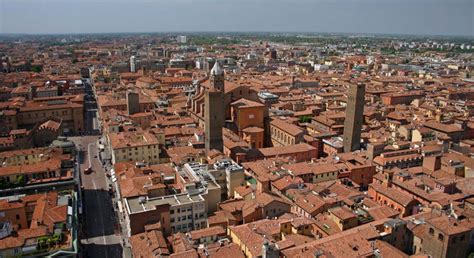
(217, 77)
(217, 69)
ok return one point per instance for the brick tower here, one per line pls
(214, 110)
(354, 117)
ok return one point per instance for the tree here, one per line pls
(304, 119)
(21, 180)
(57, 237)
(3, 183)
(42, 241)
(36, 69)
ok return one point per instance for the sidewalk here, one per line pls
(119, 218)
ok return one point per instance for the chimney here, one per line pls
(432, 163)
(387, 179)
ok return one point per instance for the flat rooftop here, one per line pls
(142, 204)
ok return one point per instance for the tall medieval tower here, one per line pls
(214, 110)
(354, 117)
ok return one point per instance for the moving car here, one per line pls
(88, 170)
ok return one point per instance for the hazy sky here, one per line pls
(440, 17)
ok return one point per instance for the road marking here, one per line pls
(89, 153)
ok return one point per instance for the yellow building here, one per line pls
(136, 146)
(343, 217)
(284, 134)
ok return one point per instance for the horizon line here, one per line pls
(230, 32)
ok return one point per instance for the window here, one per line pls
(431, 231)
(440, 237)
(18, 216)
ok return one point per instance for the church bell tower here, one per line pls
(214, 110)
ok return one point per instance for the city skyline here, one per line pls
(425, 17)
(237, 128)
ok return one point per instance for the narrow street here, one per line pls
(100, 234)
(100, 239)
